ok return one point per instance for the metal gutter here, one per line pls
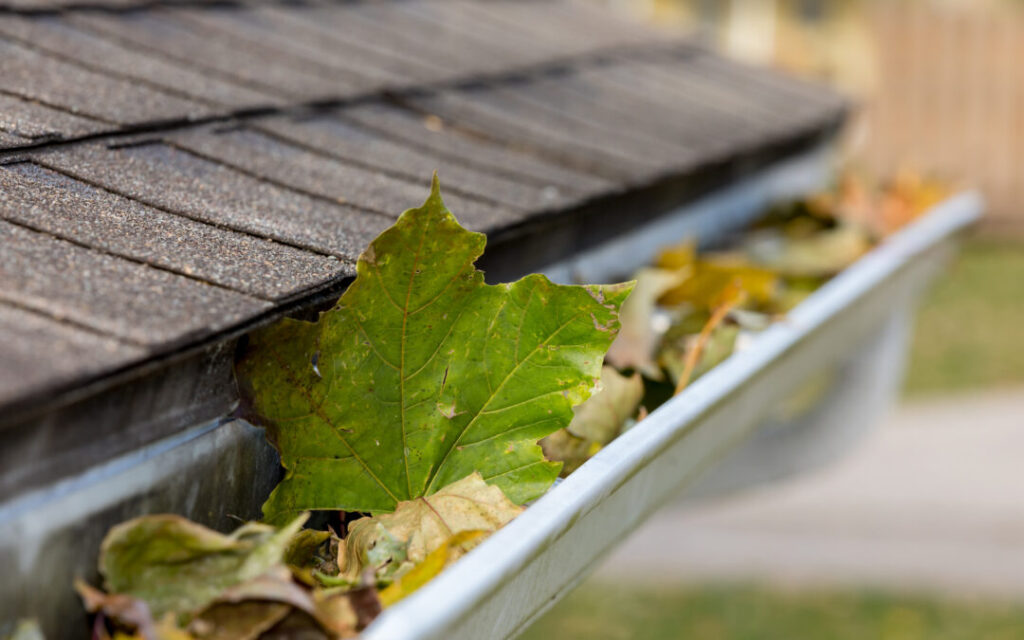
(497, 590)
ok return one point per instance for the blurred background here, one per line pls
(919, 532)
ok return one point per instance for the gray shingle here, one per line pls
(34, 122)
(496, 122)
(433, 134)
(56, 37)
(35, 76)
(67, 208)
(38, 351)
(327, 27)
(127, 300)
(183, 183)
(264, 69)
(315, 173)
(333, 136)
(360, 69)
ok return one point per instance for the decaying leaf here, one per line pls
(731, 297)
(431, 565)
(423, 374)
(26, 630)
(600, 418)
(238, 621)
(635, 345)
(597, 421)
(568, 449)
(822, 254)
(312, 552)
(253, 606)
(125, 610)
(425, 524)
(712, 275)
(178, 566)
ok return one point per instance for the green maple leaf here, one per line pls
(423, 374)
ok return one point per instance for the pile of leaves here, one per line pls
(689, 311)
(421, 413)
(417, 402)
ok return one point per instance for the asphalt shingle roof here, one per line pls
(171, 175)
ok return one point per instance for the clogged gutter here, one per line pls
(418, 401)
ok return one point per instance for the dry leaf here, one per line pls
(425, 524)
(637, 340)
(600, 418)
(431, 565)
(178, 566)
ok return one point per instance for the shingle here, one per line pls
(421, 55)
(38, 352)
(433, 134)
(777, 91)
(35, 76)
(496, 122)
(333, 136)
(53, 35)
(566, 28)
(12, 140)
(503, 45)
(35, 122)
(703, 127)
(441, 42)
(581, 120)
(67, 208)
(264, 69)
(278, 161)
(361, 70)
(183, 183)
(330, 26)
(128, 300)
(679, 82)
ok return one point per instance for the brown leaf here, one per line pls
(634, 347)
(566, 448)
(601, 417)
(433, 564)
(424, 524)
(238, 621)
(123, 610)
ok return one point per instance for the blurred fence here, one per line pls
(950, 98)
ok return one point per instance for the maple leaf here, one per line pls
(423, 374)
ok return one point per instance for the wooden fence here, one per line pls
(950, 98)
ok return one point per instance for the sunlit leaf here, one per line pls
(422, 374)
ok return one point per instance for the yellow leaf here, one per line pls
(680, 256)
(712, 275)
(634, 347)
(432, 565)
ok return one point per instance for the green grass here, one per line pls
(606, 612)
(970, 331)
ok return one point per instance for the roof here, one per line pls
(172, 174)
